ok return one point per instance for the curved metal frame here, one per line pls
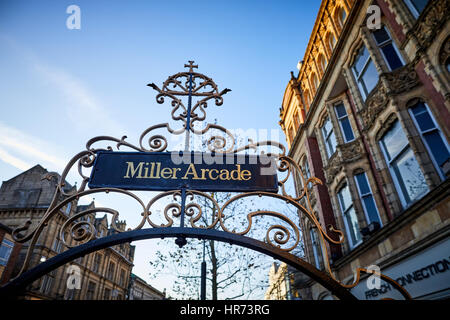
(17, 286)
(78, 234)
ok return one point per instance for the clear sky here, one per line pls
(61, 87)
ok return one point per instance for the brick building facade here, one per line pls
(104, 274)
(369, 114)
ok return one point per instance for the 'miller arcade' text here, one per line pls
(153, 170)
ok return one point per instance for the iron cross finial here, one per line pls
(191, 66)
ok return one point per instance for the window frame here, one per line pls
(361, 84)
(327, 137)
(315, 243)
(425, 142)
(361, 196)
(90, 291)
(385, 43)
(9, 250)
(340, 122)
(405, 148)
(343, 214)
(331, 43)
(416, 14)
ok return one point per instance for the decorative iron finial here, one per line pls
(191, 66)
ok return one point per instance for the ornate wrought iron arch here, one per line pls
(78, 234)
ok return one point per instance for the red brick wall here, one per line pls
(323, 200)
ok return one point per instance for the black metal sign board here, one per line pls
(162, 171)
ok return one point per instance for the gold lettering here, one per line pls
(246, 175)
(166, 173)
(158, 165)
(175, 170)
(191, 170)
(204, 171)
(132, 170)
(210, 176)
(224, 174)
(152, 170)
(236, 172)
(146, 170)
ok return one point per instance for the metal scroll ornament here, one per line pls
(199, 90)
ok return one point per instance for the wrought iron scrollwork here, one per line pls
(159, 213)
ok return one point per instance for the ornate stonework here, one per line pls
(375, 104)
(397, 82)
(402, 80)
(431, 22)
(351, 151)
(333, 167)
(346, 153)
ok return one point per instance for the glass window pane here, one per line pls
(362, 183)
(392, 58)
(347, 128)
(332, 143)
(381, 35)
(370, 77)
(419, 4)
(345, 198)
(394, 140)
(410, 177)
(423, 118)
(371, 209)
(361, 60)
(340, 111)
(327, 127)
(5, 252)
(437, 146)
(353, 226)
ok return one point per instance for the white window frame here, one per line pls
(395, 157)
(436, 127)
(343, 213)
(381, 45)
(361, 196)
(325, 138)
(340, 124)
(412, 8)
(362, 90)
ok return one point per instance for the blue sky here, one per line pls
(61, 87)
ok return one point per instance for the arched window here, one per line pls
(365, 72)
(306, 97)
(315, 81)
(329, 137)
(342, 16)
(388, 48)
(322, 62)
(331, 40)
(367, 199)
(349, 216)
(431, 135)
(317, 251)
(305, 168)
(403, 166)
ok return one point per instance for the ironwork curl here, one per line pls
(191, 84)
